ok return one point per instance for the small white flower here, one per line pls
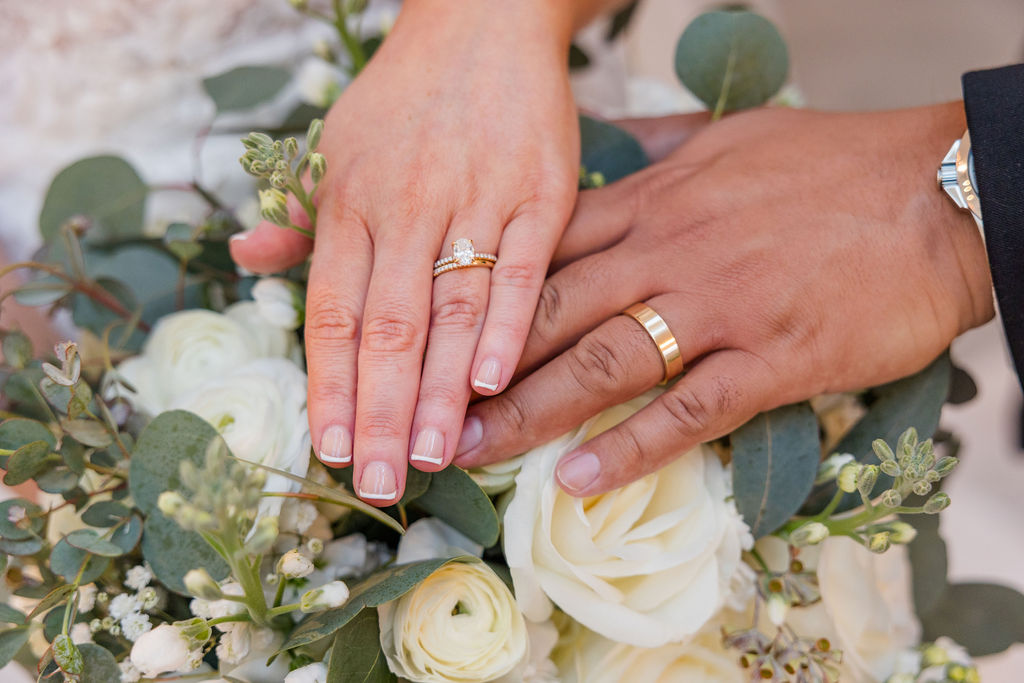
(87, 597)
(297, 516)
(311, 673)
(319, 83)
(234, 645)
(134, 625)
(215, 609)
(328, 596)
(164, 649)
(150, 597)
(129, 672)
(138, 577)
(295, 565)
(81, 633)
(280, 302)
(124, 604)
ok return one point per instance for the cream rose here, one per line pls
(497, 477)
(647, 564)
(189, 348)
(460, 625)
(866, 606)
(591, 658)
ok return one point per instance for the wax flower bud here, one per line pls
(937, 503)
(294, 565)
(848, 476)
(200, 584)
(328, 596)
(830, 467)
(810, 533)
(880, 542)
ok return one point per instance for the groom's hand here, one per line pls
(791, 253)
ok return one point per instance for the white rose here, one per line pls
(654, 576)
(497, 477)
(189, 348)
(537, 666)
(279, 301)
(460, 625)
(311, 673)
(164, 649)
(592, 658)
(429, 538)
(260, 410)
(866, 606)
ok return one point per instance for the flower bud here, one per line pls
(946, 465)
(830, 467)
(316, 129)
(200, 584)
(778, 608)
(317, 166)
(328, 596)
(278, 180)
(891, 468)
(274, 206)
(907, 442)
(901, 532)
(880, 542)
(810, 533)
(170, 503)
(315, 546)
(291, 147)
(922, 488)
(848, 476)
(937, 503)
(882, 450)
(891, 499)
(262, 536)
(866, 479)
(294, 565)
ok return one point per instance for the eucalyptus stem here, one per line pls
(283, 609)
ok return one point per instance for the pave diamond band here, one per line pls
(463, 256)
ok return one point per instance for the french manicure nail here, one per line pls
(429, 447)
(336, 446)
(489, 375)
(239, 236)
(577, 472)
(472, 434)
(377, 482)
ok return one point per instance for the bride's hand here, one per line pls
(791, 253)
(462, 126)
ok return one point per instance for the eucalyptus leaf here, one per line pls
(42, 292)
(928, 562)
(609, 150)
(90, 541)
(17, 349)
(105, 189)
(774, 461)
(18, 431)
(12, 531)
(9, 615)
(732, 60)
(11, 641)
(172, 552)
(66, 561)
(356, 655)
(127, 535)
(105, 513)
(985, 618)
(57, 480)
(459, 501)
(67, 655)
(245, 87)
(29, 546)
(914, 401)
(99, 664)
(380, 587)
(58, 596)
(88, 432)
(27, 462)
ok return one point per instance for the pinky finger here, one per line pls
(720, 393)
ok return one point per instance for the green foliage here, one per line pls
(58, 596)
(732, 60)
(12, 640)
(609, 150)
(31, 526)
(929, 563)
(382, 586)
(245, 87)
(172, 552)
(18, 431)
(66, 561)
(90, 541)
(26, 462)
(99, 665)
(104, 189)
(983, 617)
(105, 513)
(356, 656)
(775, 459)
(456, 499)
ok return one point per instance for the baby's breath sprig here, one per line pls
(279, 163)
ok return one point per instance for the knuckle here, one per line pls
(464, 312)
(549, 307)
(595, 365)
(517, 276)
(391, 332)
(329, 391)
(329, 319)
(513, 412)
(380, 424)
(696, 412)
(444, 395)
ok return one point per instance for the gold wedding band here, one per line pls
(464, 255)
(662, 337)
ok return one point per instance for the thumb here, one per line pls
(269, 248)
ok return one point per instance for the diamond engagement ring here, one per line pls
(463, 256)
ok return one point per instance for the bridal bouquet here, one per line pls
(172, 525)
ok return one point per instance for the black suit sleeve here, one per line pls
(994, 101)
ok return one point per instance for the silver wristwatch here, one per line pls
(956, 177)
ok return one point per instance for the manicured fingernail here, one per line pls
(240, 236)
(429, 447)
(577, 472)
(377, 482)
(336, 446)
(489, 375)
(472, 434)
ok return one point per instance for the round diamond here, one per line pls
(462, 250)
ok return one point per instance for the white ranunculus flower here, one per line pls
(189, 348)
(260, 410)
(429, 538)
(262, 643)
(497, 477)
(592, 658)
(460, 625)
(164, 649)
(279, 301)
(311, 673)
(647, 564)
(866, 606)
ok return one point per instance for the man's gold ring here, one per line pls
(667, 345)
